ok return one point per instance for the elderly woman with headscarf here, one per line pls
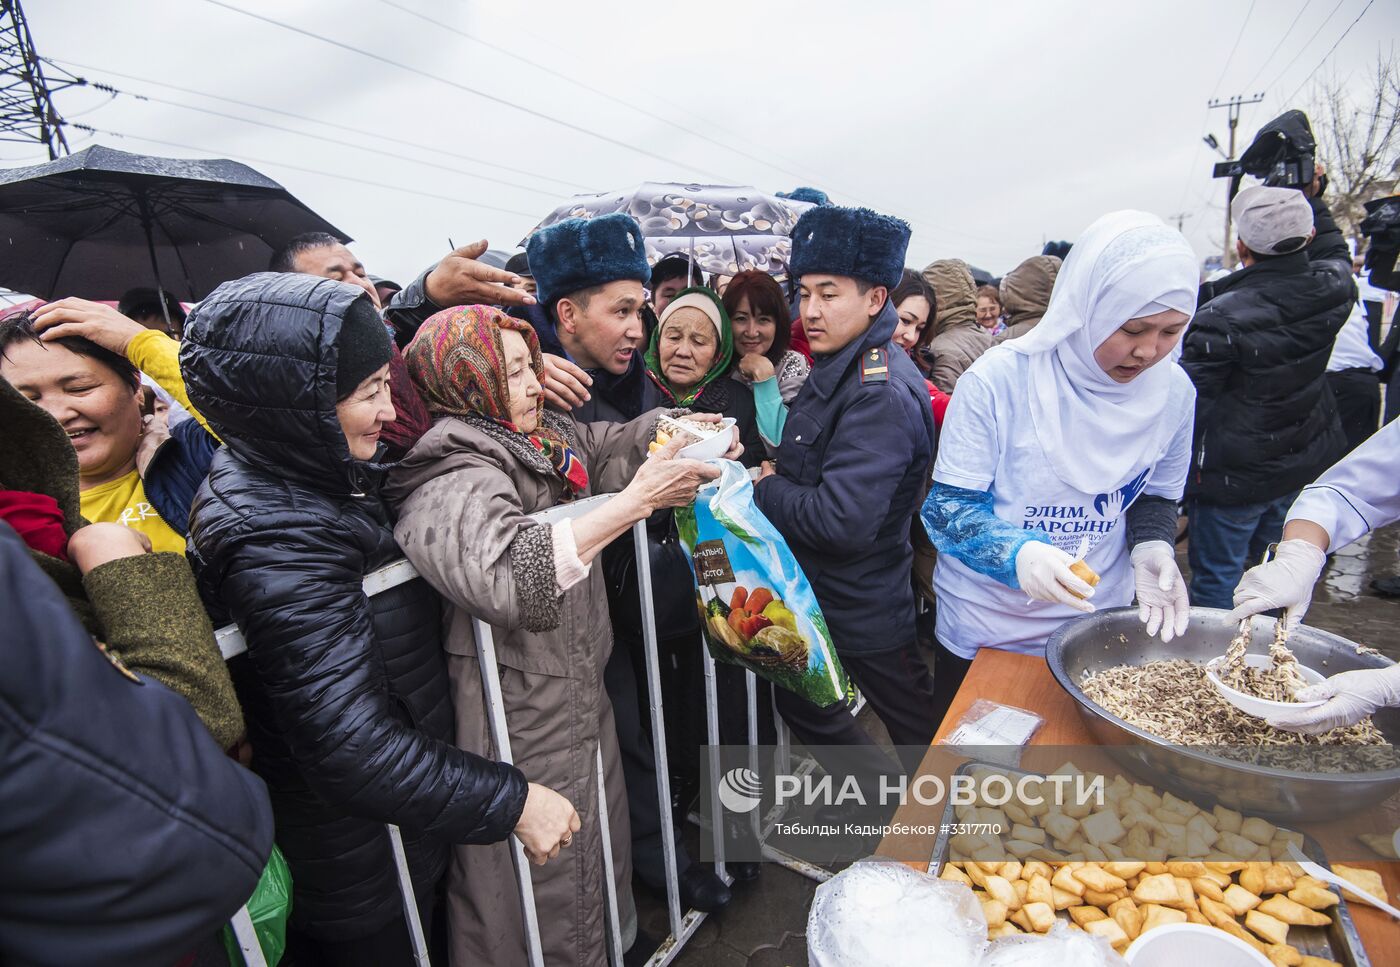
(691, 350)
(957, 340)
(1070, 443)
(1025, 294)
(689, 359)
(465, 494)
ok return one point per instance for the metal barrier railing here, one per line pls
(782, 765)
(682, 925)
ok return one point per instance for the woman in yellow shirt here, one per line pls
(81, 361)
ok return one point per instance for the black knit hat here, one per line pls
(363, 346)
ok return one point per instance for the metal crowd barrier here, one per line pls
(682, 925)
(782, 765)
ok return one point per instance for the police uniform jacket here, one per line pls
(851, 471)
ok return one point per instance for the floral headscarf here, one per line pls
(723, 355)
(458, 364)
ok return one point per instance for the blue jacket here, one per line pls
(852, 468)
(173, 476)
(128, 836)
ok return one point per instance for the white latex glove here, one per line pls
(1351, 696)
(1043, 572)
(1285, 582)
(1161, 591)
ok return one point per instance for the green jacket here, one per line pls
(145, 609)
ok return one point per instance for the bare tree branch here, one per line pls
(1358, 138)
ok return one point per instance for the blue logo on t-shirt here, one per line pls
(1111, 505)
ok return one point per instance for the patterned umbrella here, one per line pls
(723, 228)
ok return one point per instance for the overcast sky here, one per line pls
(990, 127)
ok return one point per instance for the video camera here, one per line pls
(1281, 155)
(1381, 226)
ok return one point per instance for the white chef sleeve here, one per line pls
(1359, 493)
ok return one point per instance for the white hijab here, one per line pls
(1098, 434)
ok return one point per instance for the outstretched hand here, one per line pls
(666, 480)
(461, 280)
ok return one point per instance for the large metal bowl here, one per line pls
(1117, 637)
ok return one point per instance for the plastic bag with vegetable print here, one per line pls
(757, 608)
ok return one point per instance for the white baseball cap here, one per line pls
(1272, 221)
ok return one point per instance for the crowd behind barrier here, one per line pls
(435, 540)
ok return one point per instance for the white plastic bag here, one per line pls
(882, 912)
(1061, 947)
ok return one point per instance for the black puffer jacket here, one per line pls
(1257, 350)
(346, 696)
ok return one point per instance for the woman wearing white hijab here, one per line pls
(1053, 437)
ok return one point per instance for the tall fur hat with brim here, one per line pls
(853, 242)
(580, 253)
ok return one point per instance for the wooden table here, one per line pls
(1025, 682)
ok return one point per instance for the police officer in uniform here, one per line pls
(851, 471)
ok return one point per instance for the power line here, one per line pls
(812, 178)
(377, 135)
(499, 100)
(690, 131)
(1278, 46)
(1238, 37)
(27, 112)
(390, 154)
(313, 171)
(568, 78)
(1331, 50)
(111, 96)
(470, 90)
(1306, 44)
(329, 140)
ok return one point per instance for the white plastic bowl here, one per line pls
(1259, 707)
(713, 446)
(1179, 944)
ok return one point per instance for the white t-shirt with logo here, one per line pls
(988, 443)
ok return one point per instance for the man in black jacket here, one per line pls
(1257, 351)
(128, 835)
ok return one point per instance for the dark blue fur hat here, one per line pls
(854, 242)
(580, 253)
(813, 195)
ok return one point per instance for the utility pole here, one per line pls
(1179, 218)
(1232, 107)
(27, 112)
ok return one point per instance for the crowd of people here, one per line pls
(938, 455)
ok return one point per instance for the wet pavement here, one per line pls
(1345, 602)
(765, 924)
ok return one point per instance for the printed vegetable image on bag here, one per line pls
(757, 608)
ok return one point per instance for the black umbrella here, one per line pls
(96, 223)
